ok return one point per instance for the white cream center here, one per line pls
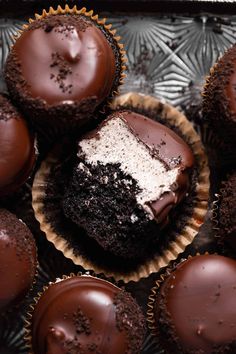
(116, 143)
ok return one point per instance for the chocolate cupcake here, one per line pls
(224, 215)
(17, 148)
(192, 309)
(130, 173)
(219, 98)
(18, 260)
(123, 193)
(88, 315)
(64, 65)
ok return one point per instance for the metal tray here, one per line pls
(171, 46)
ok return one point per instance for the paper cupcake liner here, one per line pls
(54, 131)
(12, 332)
(189, 231)
(215, 211)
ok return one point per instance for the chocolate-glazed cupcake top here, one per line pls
(65, 59)
(17, 260)
(219, 97)
(88, 315)
(16, 148)
(196, 306)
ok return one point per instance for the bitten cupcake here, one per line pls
(225, 215)
(84, 314)
(130, 173)
(17, 148)
(18, 260)
(133, 198)
(219, 98)
(193, 308)
(64, 64)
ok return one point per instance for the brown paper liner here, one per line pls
(28, 319)
(189, 231)
(215, 216)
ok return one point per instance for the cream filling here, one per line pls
(115, 143)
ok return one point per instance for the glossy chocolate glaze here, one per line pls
(80, 315)
(172, 150)
(198, 300)
(16, 149)
(17, 260)
(160, 139)
(65, 60)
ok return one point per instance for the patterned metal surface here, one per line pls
(169, 57)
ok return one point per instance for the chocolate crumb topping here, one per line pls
(63, 71)
(81, 322)
(129, 319)
(227, 214)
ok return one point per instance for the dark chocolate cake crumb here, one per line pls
(105, 208)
